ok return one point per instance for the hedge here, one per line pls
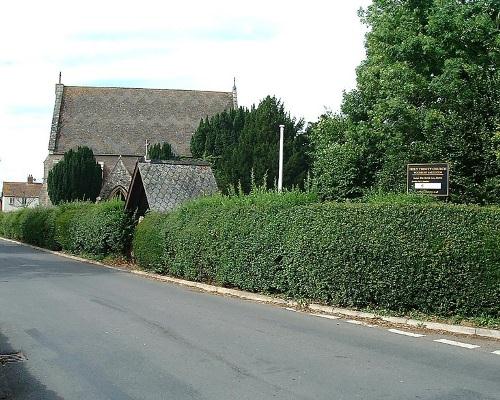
(103, 229)
(31, 225)
(435, 258)
(95, 229)
(148, 243)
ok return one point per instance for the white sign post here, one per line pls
(280, 176)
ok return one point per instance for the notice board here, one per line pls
(430, 179)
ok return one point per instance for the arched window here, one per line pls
(118, 193)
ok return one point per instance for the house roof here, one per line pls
(21, 189)
(168, 184)
(118, 121)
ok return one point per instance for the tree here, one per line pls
(428, 91)
(245, 142)
(76, 177)
(161, 151)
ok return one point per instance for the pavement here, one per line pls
(89, 332)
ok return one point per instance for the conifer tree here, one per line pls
(161, 151)
(76, 177)
(245, 141)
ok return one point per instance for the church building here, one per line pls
(116, 122)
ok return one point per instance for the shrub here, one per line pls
(11, 226)
(435, 258)
(95, 229)
(101, 229)
(37, 227)
(148, 242)
(64, 220)
(398, 198)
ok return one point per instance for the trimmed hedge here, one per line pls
(103, 229)
(68, 212)
(96, 229)
(435, 258)
(148, 243)
(31, 225)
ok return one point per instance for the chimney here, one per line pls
(30, 178)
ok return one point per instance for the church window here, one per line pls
(118, 193)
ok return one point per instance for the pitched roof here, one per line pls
(119, 176)
(117, 121)
(21, 189)
(168, 184)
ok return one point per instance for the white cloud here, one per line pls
(303, 52)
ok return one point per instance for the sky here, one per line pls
(303, 52)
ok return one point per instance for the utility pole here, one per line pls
(280, 176)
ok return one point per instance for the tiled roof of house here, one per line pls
(119, 120)
(170, 183)
(21, 189)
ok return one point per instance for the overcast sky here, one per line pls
(304, 52)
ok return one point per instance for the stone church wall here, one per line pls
(109, 162)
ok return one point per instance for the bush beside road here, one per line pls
(431, 258)
(81, 228)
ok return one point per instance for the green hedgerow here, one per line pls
(81, 227)
(68, 213)
(431, 257)
(148, 242)
(102, 229)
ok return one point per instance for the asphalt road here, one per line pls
(94, 333)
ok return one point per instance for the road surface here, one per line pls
(90, 332)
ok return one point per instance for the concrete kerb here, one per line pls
(464, 330)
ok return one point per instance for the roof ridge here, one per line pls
(195, 162)
(143, 88)
(27, 183)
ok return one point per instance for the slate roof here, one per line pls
(117, 121)
(170, 183)
(21, 189)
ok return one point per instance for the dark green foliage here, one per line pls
(11, 227)
(84, 228)
(38, 227)
(68, 213)
(435, 258)
(240, 141)
(76, 177)
(161, 152)
(148, 243)
(398, 198)
(428, 91)
(103, 229)
(31, 225)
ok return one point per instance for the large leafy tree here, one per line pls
(428, 91)
(76, 177)
(245, 142)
